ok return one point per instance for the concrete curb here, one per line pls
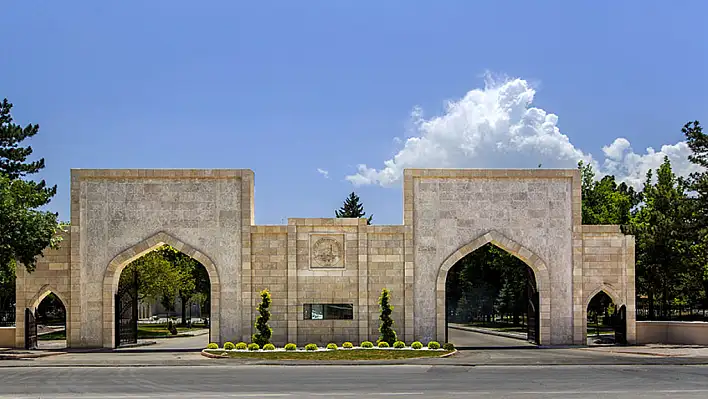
(22, 356)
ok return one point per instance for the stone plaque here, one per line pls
(327, 251)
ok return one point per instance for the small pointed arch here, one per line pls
(607, 289)
(540, 271)
(42, 293)
(111, 278)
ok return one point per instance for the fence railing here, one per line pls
(7, 318)
(673, 313)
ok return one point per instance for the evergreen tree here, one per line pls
(262, 337)
(386, 324)
(352, 209)
(24, 230)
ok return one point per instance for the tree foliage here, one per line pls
(388, 334)
(25, 231)
(262, 337)
(352, 208)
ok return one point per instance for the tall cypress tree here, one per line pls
(352, 209)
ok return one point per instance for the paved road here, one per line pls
(196, 343)
(463, 338)
(357, 382)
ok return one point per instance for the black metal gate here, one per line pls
(621, 326)
(126, 317)
(532, 313)
(30, 330)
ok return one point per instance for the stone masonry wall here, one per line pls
(608, 265)
(50, 275)
(386, 270)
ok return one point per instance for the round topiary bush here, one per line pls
(212, 345)
(448, 346)
(253, 347)
(331, 346)
(347, 345)
(433, 345)
(229, 346)
(311, 347)
(384, 344)
(268, 347)
(367, 344)
(399, 344)
(290, 347)
(417, 345)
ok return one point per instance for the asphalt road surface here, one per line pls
(356, 382)
(464, 338)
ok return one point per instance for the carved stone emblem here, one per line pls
(326, 252)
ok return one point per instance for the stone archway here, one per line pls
(120, 261)
(617, 300)
(532, 260)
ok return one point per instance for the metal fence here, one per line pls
(7, 318)
(673, 313)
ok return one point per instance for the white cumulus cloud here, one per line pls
(323, 172)
(497, 127)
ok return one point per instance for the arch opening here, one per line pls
(161, 288)
(50, 316)
(606, 319)
(491, 300)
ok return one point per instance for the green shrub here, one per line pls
(212, 345)
(290, 347)
(268, 347)
(367, 344)
(386, 326)
(448, 346)
(264, 333)
(384, 344)
(254, 347)
(417, 345)
(311, 347)
(399, 344)
(331, 346)
(347, 345)
(241, 346)
(433, 345)
(229, 346)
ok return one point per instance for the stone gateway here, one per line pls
(320, 266)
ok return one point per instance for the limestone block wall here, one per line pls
(386, 270)
(114, 212)
(538, 210)
(324, 284)
(608, 265)
(52, 274)
(269, 270)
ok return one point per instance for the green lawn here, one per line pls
(56, 335)
(353, 354)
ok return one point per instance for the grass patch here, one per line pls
(160, 330)
(355, 354)
(52, 336)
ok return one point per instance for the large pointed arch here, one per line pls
(527, 256)
(111, 279)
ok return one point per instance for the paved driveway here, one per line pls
(463, 338)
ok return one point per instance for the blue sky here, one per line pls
(285, 88)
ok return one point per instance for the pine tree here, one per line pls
(386, 325)
(352, 209)
(264, 333)
(25, 231)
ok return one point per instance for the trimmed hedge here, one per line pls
(367, 344)
(448, 346)
(253, 347)
(213, 345)
(241, 346)
(347, 345)
(433, 345)
(399, 344)
(229, 346)
(290, 347)
(311, 347)
(331, 346)
(417, 345)
(384, 344)
(268, 347)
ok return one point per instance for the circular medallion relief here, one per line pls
(326, 252)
